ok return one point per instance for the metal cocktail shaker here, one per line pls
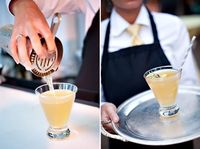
(41, 66)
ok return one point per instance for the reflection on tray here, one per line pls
(140, 121)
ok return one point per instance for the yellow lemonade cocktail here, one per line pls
(57, 105)
(164, 82)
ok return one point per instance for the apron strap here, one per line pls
(105, 47)
(153, 26)
(104, 59)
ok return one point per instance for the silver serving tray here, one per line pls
(141, 123)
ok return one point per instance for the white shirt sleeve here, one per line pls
(62, 6)
(49, 7)
(88, 7)
(189, 70)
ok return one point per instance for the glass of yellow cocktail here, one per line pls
(164, 82)
(57, 105)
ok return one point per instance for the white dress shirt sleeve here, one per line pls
(88, 7)
(189, 69)
(49, 7)
(62, 6)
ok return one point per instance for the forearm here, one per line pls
(48, 8)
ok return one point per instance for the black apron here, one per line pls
(122, 71)
(122, 77)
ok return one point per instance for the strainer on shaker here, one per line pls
(45, 66)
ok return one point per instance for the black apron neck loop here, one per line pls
(153, 26)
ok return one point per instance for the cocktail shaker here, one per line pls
(40, 66)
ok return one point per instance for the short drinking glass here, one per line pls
(57, 105)
(164, 82)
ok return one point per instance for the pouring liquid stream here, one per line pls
(49, 82)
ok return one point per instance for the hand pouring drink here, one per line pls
(56, 98)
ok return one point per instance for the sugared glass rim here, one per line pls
(161, 68)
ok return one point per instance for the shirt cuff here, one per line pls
(10, 5)
(7, 4)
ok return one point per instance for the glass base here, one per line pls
(58, 133)
(169, 111)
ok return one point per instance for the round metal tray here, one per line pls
(141, 123)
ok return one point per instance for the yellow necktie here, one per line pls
(134, 31)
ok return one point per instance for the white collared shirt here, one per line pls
(88, 7)
(172, 33)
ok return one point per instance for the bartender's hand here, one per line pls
(108, 112)
(30, 25)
